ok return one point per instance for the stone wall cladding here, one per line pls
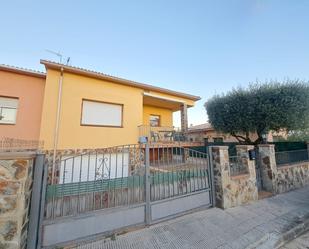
(220, 168)
(292, 176)
(283, 178)
(236, 190)
(268, 167)
(15, 194)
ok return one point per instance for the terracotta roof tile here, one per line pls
(200, 127)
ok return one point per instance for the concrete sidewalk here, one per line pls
(267, 223)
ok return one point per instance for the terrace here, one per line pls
(165, 135)
(157, 124)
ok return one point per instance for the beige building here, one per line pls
(207, 134)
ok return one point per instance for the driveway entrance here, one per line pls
(107, 190)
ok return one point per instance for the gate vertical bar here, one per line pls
(147, 185)
(33, 229)
(211, 174)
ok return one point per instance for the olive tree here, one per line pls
(260, 108)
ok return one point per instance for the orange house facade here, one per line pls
(73, 108)
(21, 100)
(87, 109)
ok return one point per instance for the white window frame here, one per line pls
(9, 106)
(85, 122)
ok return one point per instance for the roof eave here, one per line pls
(200, 130)
(22, 71)
(57, 66)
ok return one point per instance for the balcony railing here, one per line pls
(161, 134)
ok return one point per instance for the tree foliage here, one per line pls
(260, 108)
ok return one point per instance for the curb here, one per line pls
(293, 233)
(276, 240)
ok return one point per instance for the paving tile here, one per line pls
(225, 246)
(240, 243)
(254, 235)
(210, 243)
(235, 228)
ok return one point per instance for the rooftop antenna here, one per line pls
(56, 53)
(68, 61)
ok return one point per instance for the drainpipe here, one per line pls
(56, 133)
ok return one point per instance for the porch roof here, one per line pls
(161, 101)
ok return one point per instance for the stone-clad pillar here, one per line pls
(221, 168)
(243, 157)
(15, 194)
(231, 191)
(184, 119)
(249, 192)
(268, 167)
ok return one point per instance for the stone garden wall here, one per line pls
(231, 191)
(280, 179)
(234, 190)
(15, 194)
(292, 176)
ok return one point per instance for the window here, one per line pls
(8, 110)
(154, 120)
(96, 113)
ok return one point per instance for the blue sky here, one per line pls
(199, 47)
